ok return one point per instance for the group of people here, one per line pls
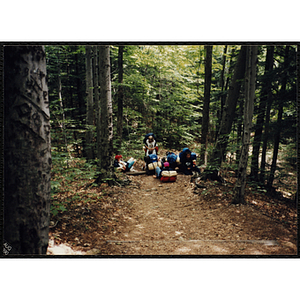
(185, 162)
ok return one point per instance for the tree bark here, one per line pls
(228, 115)
(120, 96)
(61, 104)
(79, 84)
(251, 58)
(279, 120)
(265, 140)
(97, 100)
(266, 87)
(89, 105)
(205, 113)
(27, 152)
(239, 129)
(105, 156)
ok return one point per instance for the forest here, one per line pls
(70, 109)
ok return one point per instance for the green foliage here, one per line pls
(163, 93)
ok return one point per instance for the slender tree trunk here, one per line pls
(97, 104)
(105, 162)
(79, 83)
(90, 105)
(265, 140)
(63, 122)
(239, 189)
(239, 129)
(120, 96)
(228, 114)
(266, 87)
(27, 152)
(279, 121)
(205, 114)
(222, 86)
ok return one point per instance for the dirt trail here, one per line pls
(170, 219)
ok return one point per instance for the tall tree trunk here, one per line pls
(63, 121)
(205, 114)
(79, 83)
(265, 140)
(96, 94)
(222, 86)
(266, 87)
(279, 120)
(89, 105)
(27, 152)
(251, 58)
(105, 156)
(239, 129)
(120, 96)
(228, 114)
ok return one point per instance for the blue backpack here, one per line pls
(171, 158)
(182, 154)
(153, 158)
(193, 156)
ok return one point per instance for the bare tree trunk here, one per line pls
(120, 96)
(239, 129)
(27, 152)
(63, 121)
(105, 156)
(265, 140)
(96, 94)
(90, 105)
(239, 189)
(222, 81)
(266, 86)
(205, 114)
(279, 120)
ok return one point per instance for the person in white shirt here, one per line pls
(150, 146)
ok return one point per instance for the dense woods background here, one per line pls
(162, 89)
(221, 101)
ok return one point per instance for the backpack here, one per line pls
(193, 156)
(153, 158)
(184, 152)
(172, 158)
(147, 135)
(152, 166)
(168, 176)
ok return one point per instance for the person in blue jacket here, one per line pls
(188, 164)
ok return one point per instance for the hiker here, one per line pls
(122, 165)
(188, 162)
(150, 146)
